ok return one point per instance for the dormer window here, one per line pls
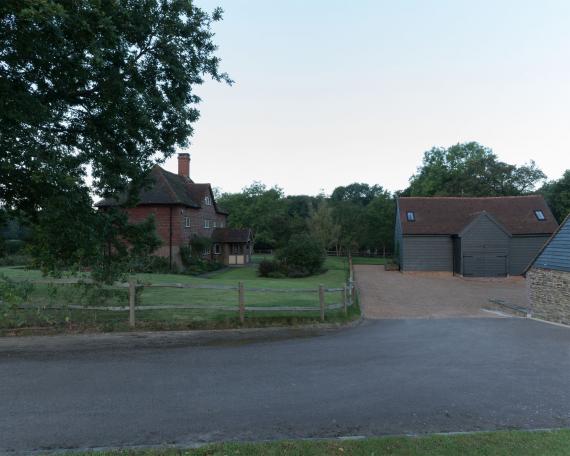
(539, 215)
(208, 201)
(410, 216)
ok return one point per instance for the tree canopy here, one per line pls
(92, 94)
(471, 169)
(557, 194)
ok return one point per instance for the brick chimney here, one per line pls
(184, 165)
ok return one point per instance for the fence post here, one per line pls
(132, 301)
(241, 296)
(352, 293)
(322, 301)
(350, 265)
(344, 308)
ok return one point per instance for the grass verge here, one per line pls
(506, 443)
(43, 320)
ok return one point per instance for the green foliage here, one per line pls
(271, 268)
(14, 246)
(12, 295)
(92, 241)
(94, 92)
(192, 257)
(323, 226)
(272, 216)
(302, 256)
(557, 194)
(357, 193)
(471, 169)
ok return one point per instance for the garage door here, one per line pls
(485, 265)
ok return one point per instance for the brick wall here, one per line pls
(549, 294)
(181, 234)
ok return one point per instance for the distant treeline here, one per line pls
(360, 216)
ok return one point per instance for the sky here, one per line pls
(330, 92)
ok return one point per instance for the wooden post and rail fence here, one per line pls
(347, 294)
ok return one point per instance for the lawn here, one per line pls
(369, 260)
(508, 443)
(47, 295)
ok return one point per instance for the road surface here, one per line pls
(382, 377)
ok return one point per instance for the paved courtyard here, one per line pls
(391, 294)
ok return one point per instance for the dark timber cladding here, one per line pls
(486, 237)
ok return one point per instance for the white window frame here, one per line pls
(208, 201)
(411, 216)
(206, 251)
(214, 224)
(206, 223)
(187, 222)
(217, 249)
(221, 224)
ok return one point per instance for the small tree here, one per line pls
(323, 226)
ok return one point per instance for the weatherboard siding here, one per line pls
(556, 255)
(427, 253)
(398, 244)
(485, 248)
(522, 251)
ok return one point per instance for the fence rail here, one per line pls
(347, 298)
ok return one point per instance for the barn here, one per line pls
(472, 237)
(548, 278)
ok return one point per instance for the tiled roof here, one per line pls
(231, 235)
(449, 215)
(168, 189)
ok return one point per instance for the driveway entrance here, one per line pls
(391, 294)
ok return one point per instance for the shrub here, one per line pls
(302, 256)
(270, 268)
(13, 246)
(15, 260)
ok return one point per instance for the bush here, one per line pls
(15, 260)
(270, 268)
(302, 256)
(13, 246)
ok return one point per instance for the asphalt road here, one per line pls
(383, 377)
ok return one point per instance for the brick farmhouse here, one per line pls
(548, 278)
(183, 210)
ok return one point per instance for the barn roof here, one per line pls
(236, 235)
(168, 189)
(449, 215)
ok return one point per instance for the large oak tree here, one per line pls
(92, 93)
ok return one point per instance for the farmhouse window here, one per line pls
(217, 249)
(206, 223)
(187, 222)
(206, 251)
(208, 201)
(411, 216)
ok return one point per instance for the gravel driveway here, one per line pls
(391, 294)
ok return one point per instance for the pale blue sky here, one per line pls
(332, 92)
